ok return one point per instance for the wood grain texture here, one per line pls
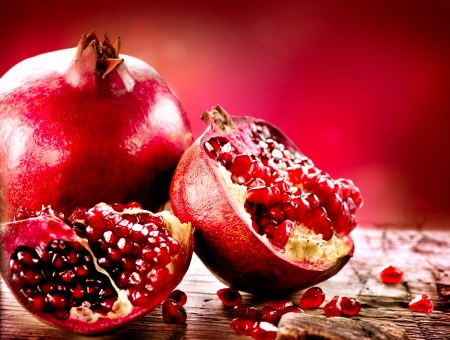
(423, 255)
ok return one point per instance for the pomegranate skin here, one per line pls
(225, 240)
(37, 232)
(74, 135)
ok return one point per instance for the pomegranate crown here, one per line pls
(107, 54)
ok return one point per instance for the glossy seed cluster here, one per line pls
(134, 246)
(284, 186)
(59, 277)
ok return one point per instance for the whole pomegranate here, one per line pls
(267, 220)
(82, 126)
(98, 270)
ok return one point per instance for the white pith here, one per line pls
(122, 306)
(303, 243)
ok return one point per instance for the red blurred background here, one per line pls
(361, 86)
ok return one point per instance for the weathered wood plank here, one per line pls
(423, 255)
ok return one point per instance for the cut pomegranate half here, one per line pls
(267, 220)
(93, 272)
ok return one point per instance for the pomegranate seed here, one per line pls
(78, 291)
(268, 314)
(391, 275)
(264, 331)
(30, 277)
(350, 306)
(132, 205)
(179, 297)
(282, 232)
(242, 326)
(421, 303)
(261, 195)
(173, 313)
(246, 311)
(291, 309)
(333, 307)
(27, 257)
(279, 305)
(229, 296)
(312, 298)
(38, 302)
(57, 301)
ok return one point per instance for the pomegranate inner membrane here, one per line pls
(128, 260)
(300, 210)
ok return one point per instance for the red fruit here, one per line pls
(391, 275)
(264, 331)
(246, 311)
(264, 216)
(173, 313)
(333, 307)
(350, 306)
(280, 305)
(82, 126)
(229, 296)
(269, 314)
(312, 298)
(179, 297)
(80, 285)
(421, 303)
(242, 326)
(291, 309)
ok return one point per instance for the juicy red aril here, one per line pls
(268, 314)
(279, 305)
(49, 280)
(173, 313)
(350, 306)
(264, 331)
(242, 326)
(421, 303)
(280, 185)
(333, 307)
(291, 309)
(391, 275)
(229, 296)
(246, 311)
(134, 247)
(312, 298)
(179, 297)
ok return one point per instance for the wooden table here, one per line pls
(422, 252)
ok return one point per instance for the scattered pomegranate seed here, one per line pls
(333, 307)
(350, 306)
(279, 305)
(173, 313)
(229, 296)
(312, 298)
(268, 314)
(246, 311)
(291, 309)
(264, 331)
(391, 275)
(179, 297)
(242, 326)
(421, 303)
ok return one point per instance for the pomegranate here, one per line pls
(267, 220)
(97, 270)
(82, 126)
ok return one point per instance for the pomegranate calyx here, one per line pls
(106, 54)
(218, 118)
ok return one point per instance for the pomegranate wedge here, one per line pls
(267, 220)
(93, 272)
